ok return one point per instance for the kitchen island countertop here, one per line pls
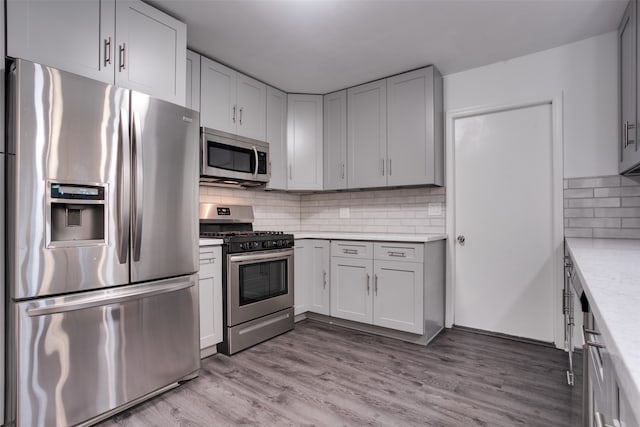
(609, 270)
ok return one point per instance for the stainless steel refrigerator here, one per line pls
(102, 218)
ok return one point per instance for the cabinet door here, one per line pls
(252, 108)
(410, 139)
(277, 138)
(302, 276)
(210, 295)
(304, 142)
(151, 51)
(319, 296)
(367, 135)
(193, 81)
(351, 289)
(335, 140)
(75, 36)
(628, 93)
(218, 109)
(398, 296)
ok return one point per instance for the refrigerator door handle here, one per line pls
(124, 199)
(138, 187)
(56, 305)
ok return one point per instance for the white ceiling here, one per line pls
(313, 46)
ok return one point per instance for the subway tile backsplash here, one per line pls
(395, 211)
(607, 206)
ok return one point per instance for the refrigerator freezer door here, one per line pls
(71, 132)
(86, 354)
(164, 178)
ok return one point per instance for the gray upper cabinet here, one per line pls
(148, 54)
(627, 43)
(395, 131)
(151, 51)
(193, 81)
(335, 140)
(75, 36)
(629, 93)
(304, 142)
(367, 135)
(277, 138)
(232, 102)
(414, 128)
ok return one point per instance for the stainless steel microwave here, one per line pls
(232, 159)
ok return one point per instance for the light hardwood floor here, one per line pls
(325, 375)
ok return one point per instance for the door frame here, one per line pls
(557, 201)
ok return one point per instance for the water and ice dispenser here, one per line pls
(77, 213)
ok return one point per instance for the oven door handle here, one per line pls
(260, 256)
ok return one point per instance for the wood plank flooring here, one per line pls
(325, 375)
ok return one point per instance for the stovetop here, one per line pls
(250, 241)
(234, 234)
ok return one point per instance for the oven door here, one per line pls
(258, 283)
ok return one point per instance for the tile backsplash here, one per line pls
(607, 206)
(394, 211)
(272, 210)
(412, 211)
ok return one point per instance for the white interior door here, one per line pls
(504, 271)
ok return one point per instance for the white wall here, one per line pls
(585, 73)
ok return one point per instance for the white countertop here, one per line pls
(609, 270)
(211, 242)
(328, 235)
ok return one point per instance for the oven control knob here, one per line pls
(256, 245)
(279, 243)
(266, 244)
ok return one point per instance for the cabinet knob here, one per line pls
(461, 239)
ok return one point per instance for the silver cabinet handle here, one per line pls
(138, 187)
(234, 114)
(122, 53)
(107, 51)
(626, 126)
(375, 284)
(591, 332)
(368, 286)
(397, 254)
(324, 280)
(350, 251)
(342, 171)
(240, 119)
(124, 186)
(389, 166)
(382, 163)
(290, 173)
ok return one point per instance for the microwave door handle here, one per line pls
(123, 187)
(138, 187)
(255, 169)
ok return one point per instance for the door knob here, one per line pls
(461, 240)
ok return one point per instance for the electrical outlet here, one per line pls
(434, 209)
(344, 213)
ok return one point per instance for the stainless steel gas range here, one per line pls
(257, 276)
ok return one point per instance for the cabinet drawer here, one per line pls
(349, 249)
(209, 254)
(411, 252)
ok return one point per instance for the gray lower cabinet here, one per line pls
(210, 298)
(393, 285)
(629, 91)
(311, 276)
